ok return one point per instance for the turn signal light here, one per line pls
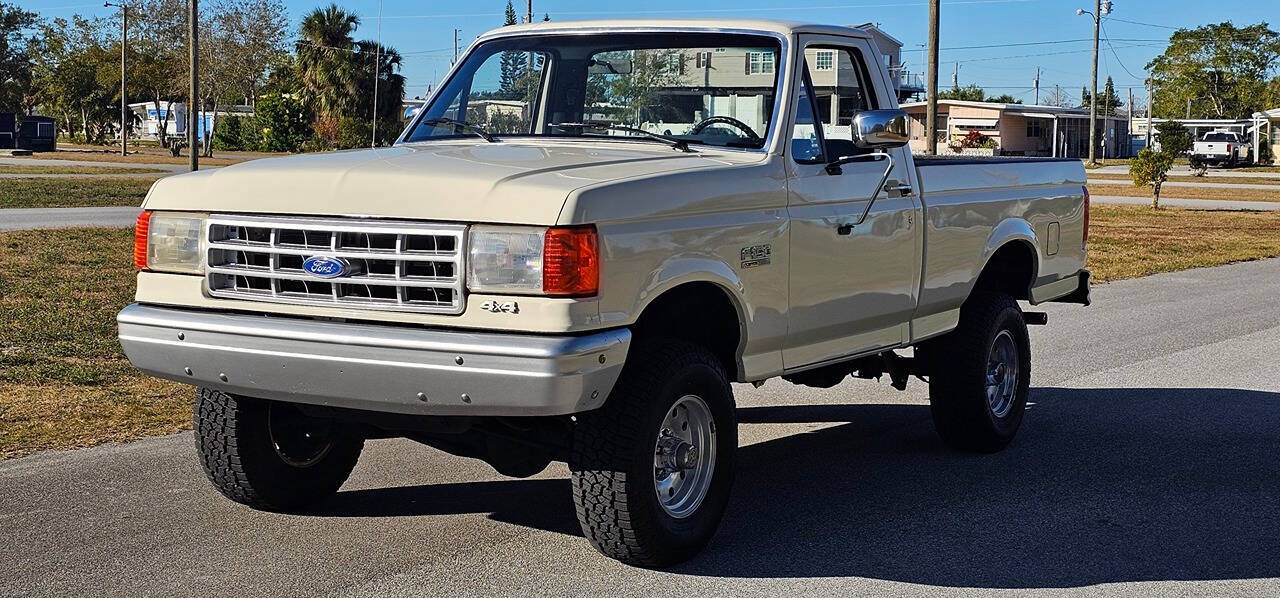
(1084, 242)
(140, 231)
(571, 262)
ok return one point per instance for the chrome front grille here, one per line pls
(398, 266)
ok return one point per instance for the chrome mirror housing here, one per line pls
(881, 129)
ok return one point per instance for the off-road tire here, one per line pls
(612, 460)
(241, 461)
(961, 413)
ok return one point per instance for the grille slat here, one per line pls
(398, 266)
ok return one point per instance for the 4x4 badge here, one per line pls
(509, 307)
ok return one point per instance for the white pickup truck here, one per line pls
(1221, 148)
(575, 264)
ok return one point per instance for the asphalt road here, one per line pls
(31, 218)
(1189, 204)
(1147, 464)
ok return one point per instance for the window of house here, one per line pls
(760, 63)
(839, 101)
(702, 60)
(1036, 128)
(824, 60)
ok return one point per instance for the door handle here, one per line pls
(901, 188)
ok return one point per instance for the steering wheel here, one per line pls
(724, 120)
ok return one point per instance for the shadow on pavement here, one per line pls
(1102, 485)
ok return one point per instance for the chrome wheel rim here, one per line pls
(1002, 374)
(684, 456)
(299, 440)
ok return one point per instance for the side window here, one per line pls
(806, 145)
(842, 89)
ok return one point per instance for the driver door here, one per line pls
(853, 286)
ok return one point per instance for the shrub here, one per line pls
(231, 134)
(1151, 167)
(281, 124)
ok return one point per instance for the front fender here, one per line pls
(692, 267)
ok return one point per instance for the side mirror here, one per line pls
(881, 129)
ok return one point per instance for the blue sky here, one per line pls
(1048, 33)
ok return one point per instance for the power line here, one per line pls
(715, 10)
(1117, 56)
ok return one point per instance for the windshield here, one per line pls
(701, 89)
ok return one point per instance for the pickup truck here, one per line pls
(576, 264)
(1221, 148)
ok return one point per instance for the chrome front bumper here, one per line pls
(372, 367)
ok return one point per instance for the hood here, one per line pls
(513, 181)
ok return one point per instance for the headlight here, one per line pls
(560, 261)
(169, 242)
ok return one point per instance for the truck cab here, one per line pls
(590, 232)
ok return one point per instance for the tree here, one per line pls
(1151, 167)
(1058, 98)
(971, 93)
(159, 56)
(1174, 138)
(511, 65)
(1004, 98)
(71, 62)
(1108, 101)
(324, 50)
(1221, 69)
(15, 57)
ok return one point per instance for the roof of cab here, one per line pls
(786, 28)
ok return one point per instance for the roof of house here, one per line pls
(875, 29)
(700, 25)
(1022, 109)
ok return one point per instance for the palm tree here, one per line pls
(325, 54)
(390, 86)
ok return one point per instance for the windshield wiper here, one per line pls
(675, 142)
(461, 124)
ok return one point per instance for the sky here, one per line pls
(997, 44)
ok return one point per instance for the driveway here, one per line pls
(32, 218)
(1147, 464)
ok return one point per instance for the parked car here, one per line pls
(559, 283)
(1221, 148)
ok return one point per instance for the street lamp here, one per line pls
(124, 106)
(1101, 8)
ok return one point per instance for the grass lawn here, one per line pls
(72, 193)
(42, 169)
(1190, 192)
(1133, 241)
(64, 381)
(1210, 179)
(146, 155)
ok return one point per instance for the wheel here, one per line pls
(981, 374)
(652, 468)
(269, 455)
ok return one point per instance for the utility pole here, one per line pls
(193, 93)
(1037, 86)
(955, 76)
(124, 105)
(1129, 126)
(455, 45)
(1188, 108)
(377, 74)
(931, 110)
(1093, 97)
(1151, 94)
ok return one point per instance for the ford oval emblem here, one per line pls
(322, 266)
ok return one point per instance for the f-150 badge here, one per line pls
(757, 255)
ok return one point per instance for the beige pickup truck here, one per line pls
(587, 235)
